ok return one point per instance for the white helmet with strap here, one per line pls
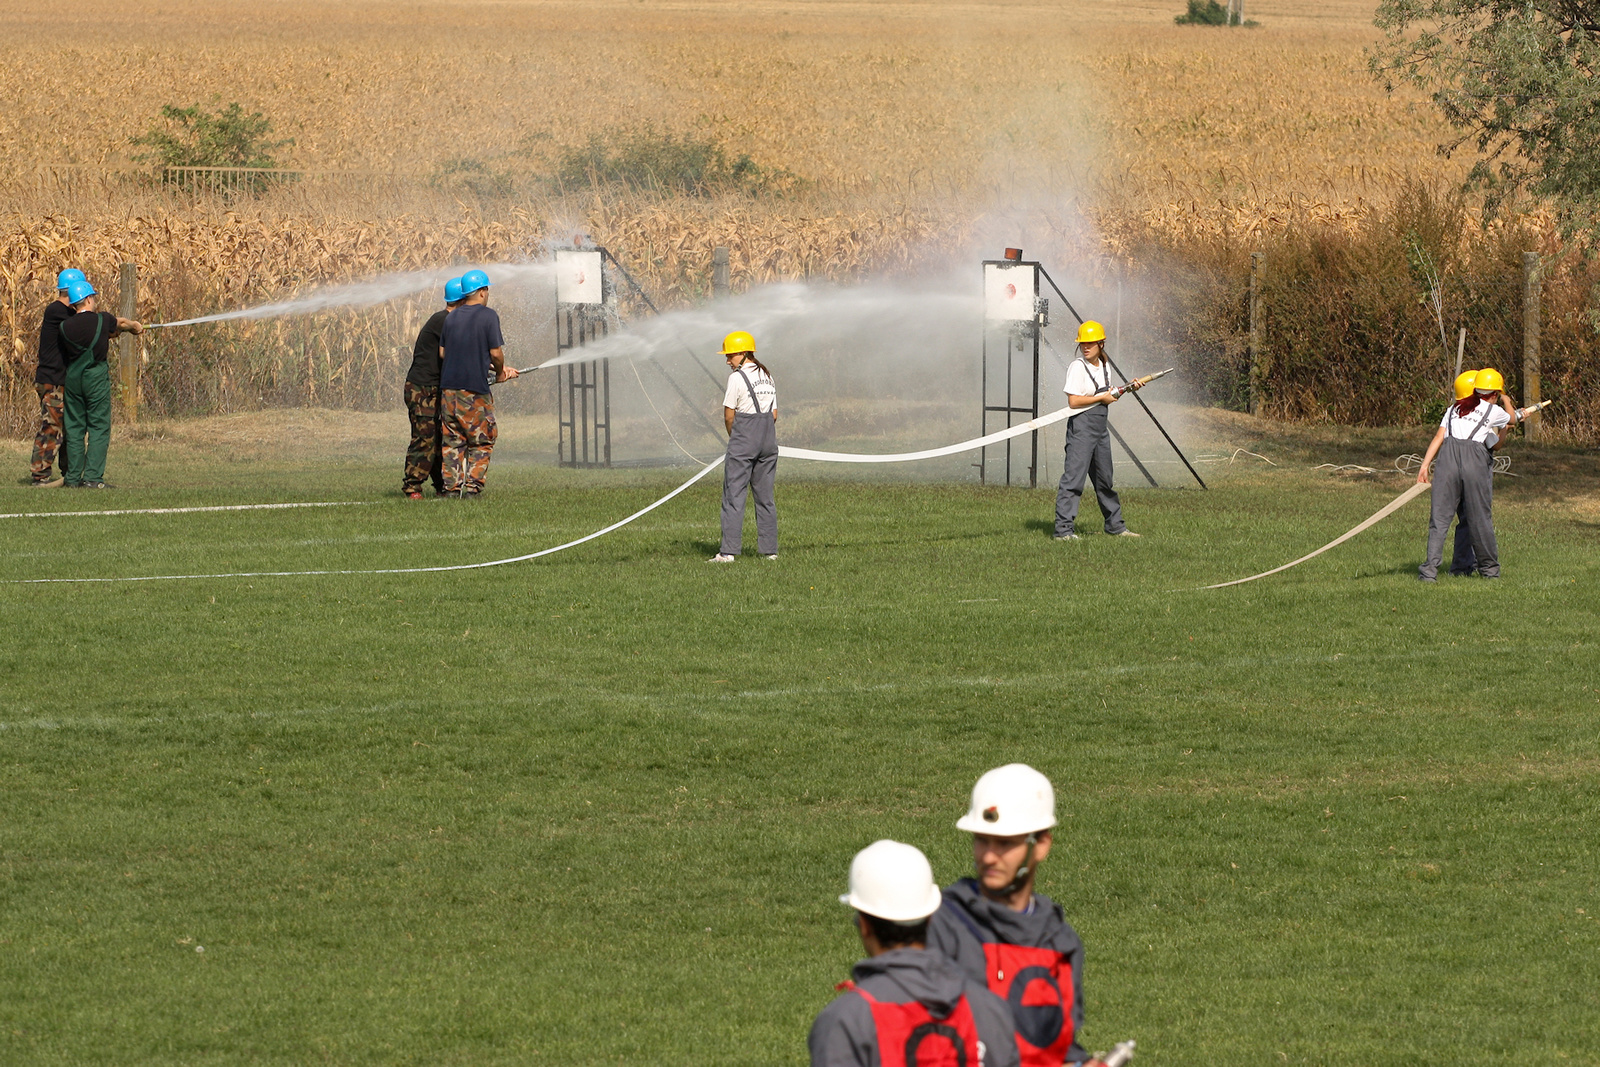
(892, 881)
(1010, 801)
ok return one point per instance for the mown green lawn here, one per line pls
(598, 808)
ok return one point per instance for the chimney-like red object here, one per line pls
(1014, 255)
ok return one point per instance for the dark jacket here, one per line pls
(844, 1034)
(968, 920)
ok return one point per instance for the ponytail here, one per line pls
(751, 356)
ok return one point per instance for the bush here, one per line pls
(1203, 13)
(193, 138)
(646, 159)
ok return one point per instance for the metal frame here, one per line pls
(1019, 332)
(583, 387)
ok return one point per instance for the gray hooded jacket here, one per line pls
(844, 1034)
(968, 919)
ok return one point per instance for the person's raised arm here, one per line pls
(129, 326)
(1427, 460)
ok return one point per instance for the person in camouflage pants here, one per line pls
(469, 434)
(423, 456)
(47, 442)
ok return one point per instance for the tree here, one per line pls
(192, 138)
(1517, 80)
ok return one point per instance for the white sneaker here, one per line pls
(773, 556)
(1066, 537)
(722, 557)
(1127, 533)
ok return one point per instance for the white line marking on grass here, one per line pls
(185, 511)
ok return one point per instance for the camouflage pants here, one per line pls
(469, 433)
(423, 454)
(47, 442)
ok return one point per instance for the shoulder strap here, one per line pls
(99, 327)
(1484, 414)
(751, 390)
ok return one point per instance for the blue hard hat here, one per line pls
(78, 290)
(472, 281)
(68, 276)
(452, 290)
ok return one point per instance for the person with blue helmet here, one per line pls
(472, 352)
(49, 381)
(422, 402)
(85, 343)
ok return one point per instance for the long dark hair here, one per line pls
(751, 356)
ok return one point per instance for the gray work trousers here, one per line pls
(1463, 481)
(752, 464)
(1088, 454)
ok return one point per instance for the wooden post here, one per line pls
(127, 357)
(719, 272)
(1255, 333)
(1530, 340)
(1461, 353)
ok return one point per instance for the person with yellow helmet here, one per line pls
(750, 412)
(1089, 393)
(1463, 483)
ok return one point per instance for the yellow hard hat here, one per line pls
(738, 341)
(1464, 383)
(1489, 381)
(1091, 331)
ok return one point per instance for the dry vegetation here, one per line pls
(1091, 130)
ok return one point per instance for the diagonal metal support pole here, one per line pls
(651, 305)
(1124, 378)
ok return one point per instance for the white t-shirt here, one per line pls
(1085, 380)
(738, 397)
(1469, 428)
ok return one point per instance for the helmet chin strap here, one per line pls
(1022, 871)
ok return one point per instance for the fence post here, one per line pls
(719, 272)
(126, 356)
(1255, 333)
(1530, 339)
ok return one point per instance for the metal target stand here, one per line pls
(585, 310)
(1013, 318)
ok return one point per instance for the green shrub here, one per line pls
(650, 160)
(191, 137)
(1203, 13)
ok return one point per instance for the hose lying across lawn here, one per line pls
(783, 451)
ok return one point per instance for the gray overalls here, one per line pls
(752, 463)
(1463, 480)
(1088, 453)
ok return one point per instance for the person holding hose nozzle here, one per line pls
(1089, 393)
(750, 412)
(906, 1004)
(1002, 933)
(50, 382)
(1464, 444)
(473, 355)
(85, 346)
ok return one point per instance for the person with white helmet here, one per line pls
(750, 412)
(905, 1004)
(1002, 933)
(50, 382)
(1088, 454)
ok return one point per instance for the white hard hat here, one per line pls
(892, 881)
(1010, 801)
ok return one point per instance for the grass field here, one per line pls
(597, 808)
